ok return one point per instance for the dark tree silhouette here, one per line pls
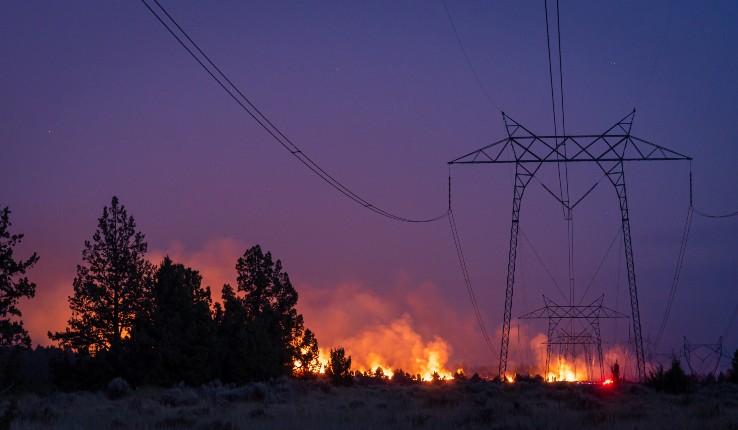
(401, 377)
(459, 376)
(261, 335)
(111, 288)
(615, 373)
(673, 381)
(338, 369)
(733, 372)
(306, 363)
(173, 339)
(13, 286)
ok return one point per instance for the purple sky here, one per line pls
(98, 100)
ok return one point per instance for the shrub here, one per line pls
(117, 389)
(673, 381)
(401, 377)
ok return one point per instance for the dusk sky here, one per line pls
(97, 99)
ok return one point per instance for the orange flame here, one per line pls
(562, 370)
(396, 346)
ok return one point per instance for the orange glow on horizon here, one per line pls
(565, 371)
(392, 346)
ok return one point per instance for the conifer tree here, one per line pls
(13, 286)
(733, 372)
(261, 334)
(338, 369)
(306, 361)
(111, 287)
(173, 340)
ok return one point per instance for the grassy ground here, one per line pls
(288, 404)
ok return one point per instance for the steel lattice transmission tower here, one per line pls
(609, 150)
(572, 343)
(703, 352)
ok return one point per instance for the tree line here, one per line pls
(156, 324)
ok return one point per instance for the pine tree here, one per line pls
(261, 334)
(338, 369)
(111, 287)
(233, 338)
(733, 372)
(173, 340)
(13, 286)
(306, 363)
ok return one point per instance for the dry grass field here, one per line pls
(290, 404)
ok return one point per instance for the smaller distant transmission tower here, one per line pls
(704, 353)
(570, 341)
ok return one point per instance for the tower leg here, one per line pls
(552, 323)
(523, 175)
(617, 178)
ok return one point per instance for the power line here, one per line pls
(730, 323)
(657, 57)
(540, 260)
(550, 72)
(698, 212)
(604, 257)
(238, 96)
(729, 215)
(468, 61)
(467, 282)
(561, 73)
(677, 272)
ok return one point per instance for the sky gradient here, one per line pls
(99, 100)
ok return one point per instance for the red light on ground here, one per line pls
(607, 382)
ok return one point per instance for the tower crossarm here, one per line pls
(614, 145)
(595, 310)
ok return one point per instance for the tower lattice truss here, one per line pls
(609, 151)
(574, 331)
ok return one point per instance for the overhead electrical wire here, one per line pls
(540, 260)
(267, 125)
(270, 128)
(561, 73)
(728, 215)
(604, 257)
(698, 212)
(468, 61)
(563, 183)
(467, 282)
(677, 272)
(550, 78)
(646, 86)
(238, 96)
(680, 259)
(465, 271)
(730, 323)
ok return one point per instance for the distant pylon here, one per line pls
(570, 343)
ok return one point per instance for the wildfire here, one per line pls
(396, 346)
(562, 370)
